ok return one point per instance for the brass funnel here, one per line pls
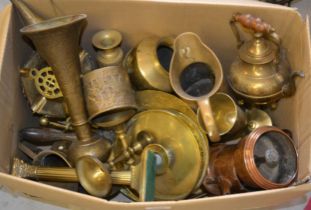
(57, 42)
(29, 16)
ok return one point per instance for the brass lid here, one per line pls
(258, 50)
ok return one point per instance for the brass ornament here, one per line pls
(109, 96)
(185, 148)
(260, 61)
(196, 74)
(62, 53)
(145, 68)
(46, 83)
(107, 43)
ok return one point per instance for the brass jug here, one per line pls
(261, 74)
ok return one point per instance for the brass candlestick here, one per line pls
(107, 43)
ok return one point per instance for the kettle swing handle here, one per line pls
(255, 24)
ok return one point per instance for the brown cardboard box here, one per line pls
(137, 19)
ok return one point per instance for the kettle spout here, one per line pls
(290, 88)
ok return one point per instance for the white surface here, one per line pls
(14, 202)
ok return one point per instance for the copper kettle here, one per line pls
(261, 73)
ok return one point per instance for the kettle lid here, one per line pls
(258, 50)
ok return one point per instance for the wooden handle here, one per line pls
(208, 120)
(254, 23)
(45, 135)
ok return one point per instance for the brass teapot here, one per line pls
(261, 74)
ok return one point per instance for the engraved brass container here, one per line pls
(261, 73)
(229, 117)
(196, 74)
(57, 41)
(184, 150)
(264, 159)
(147, 67)
(107, 43)
(109, 96)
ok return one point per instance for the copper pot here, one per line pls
(265, 159)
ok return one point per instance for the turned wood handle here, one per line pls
(45, 135)
(254, 23)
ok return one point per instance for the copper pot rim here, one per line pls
(249, 160)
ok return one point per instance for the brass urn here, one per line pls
(260, 74)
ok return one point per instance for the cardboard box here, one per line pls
(137, 19)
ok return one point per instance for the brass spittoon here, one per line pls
(261, 73)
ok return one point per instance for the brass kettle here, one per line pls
(260, 74)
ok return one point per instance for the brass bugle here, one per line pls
(57, 42)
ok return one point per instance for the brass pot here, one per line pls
(146, 69)
(109, 96)
(261, 73)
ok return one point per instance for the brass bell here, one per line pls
(261, 73)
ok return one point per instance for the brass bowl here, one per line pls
(144, 64)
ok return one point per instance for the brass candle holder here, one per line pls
(107, 43)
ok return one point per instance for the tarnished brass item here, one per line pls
(57, 41)
(46, 122)
(261, 61)
(196, 74)
(109, 96)
(265, 159)
(153, 99)
(183, 147)
(148, 64)
(229, 117)
(107, 43)
(143, 139)
(257, 118)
